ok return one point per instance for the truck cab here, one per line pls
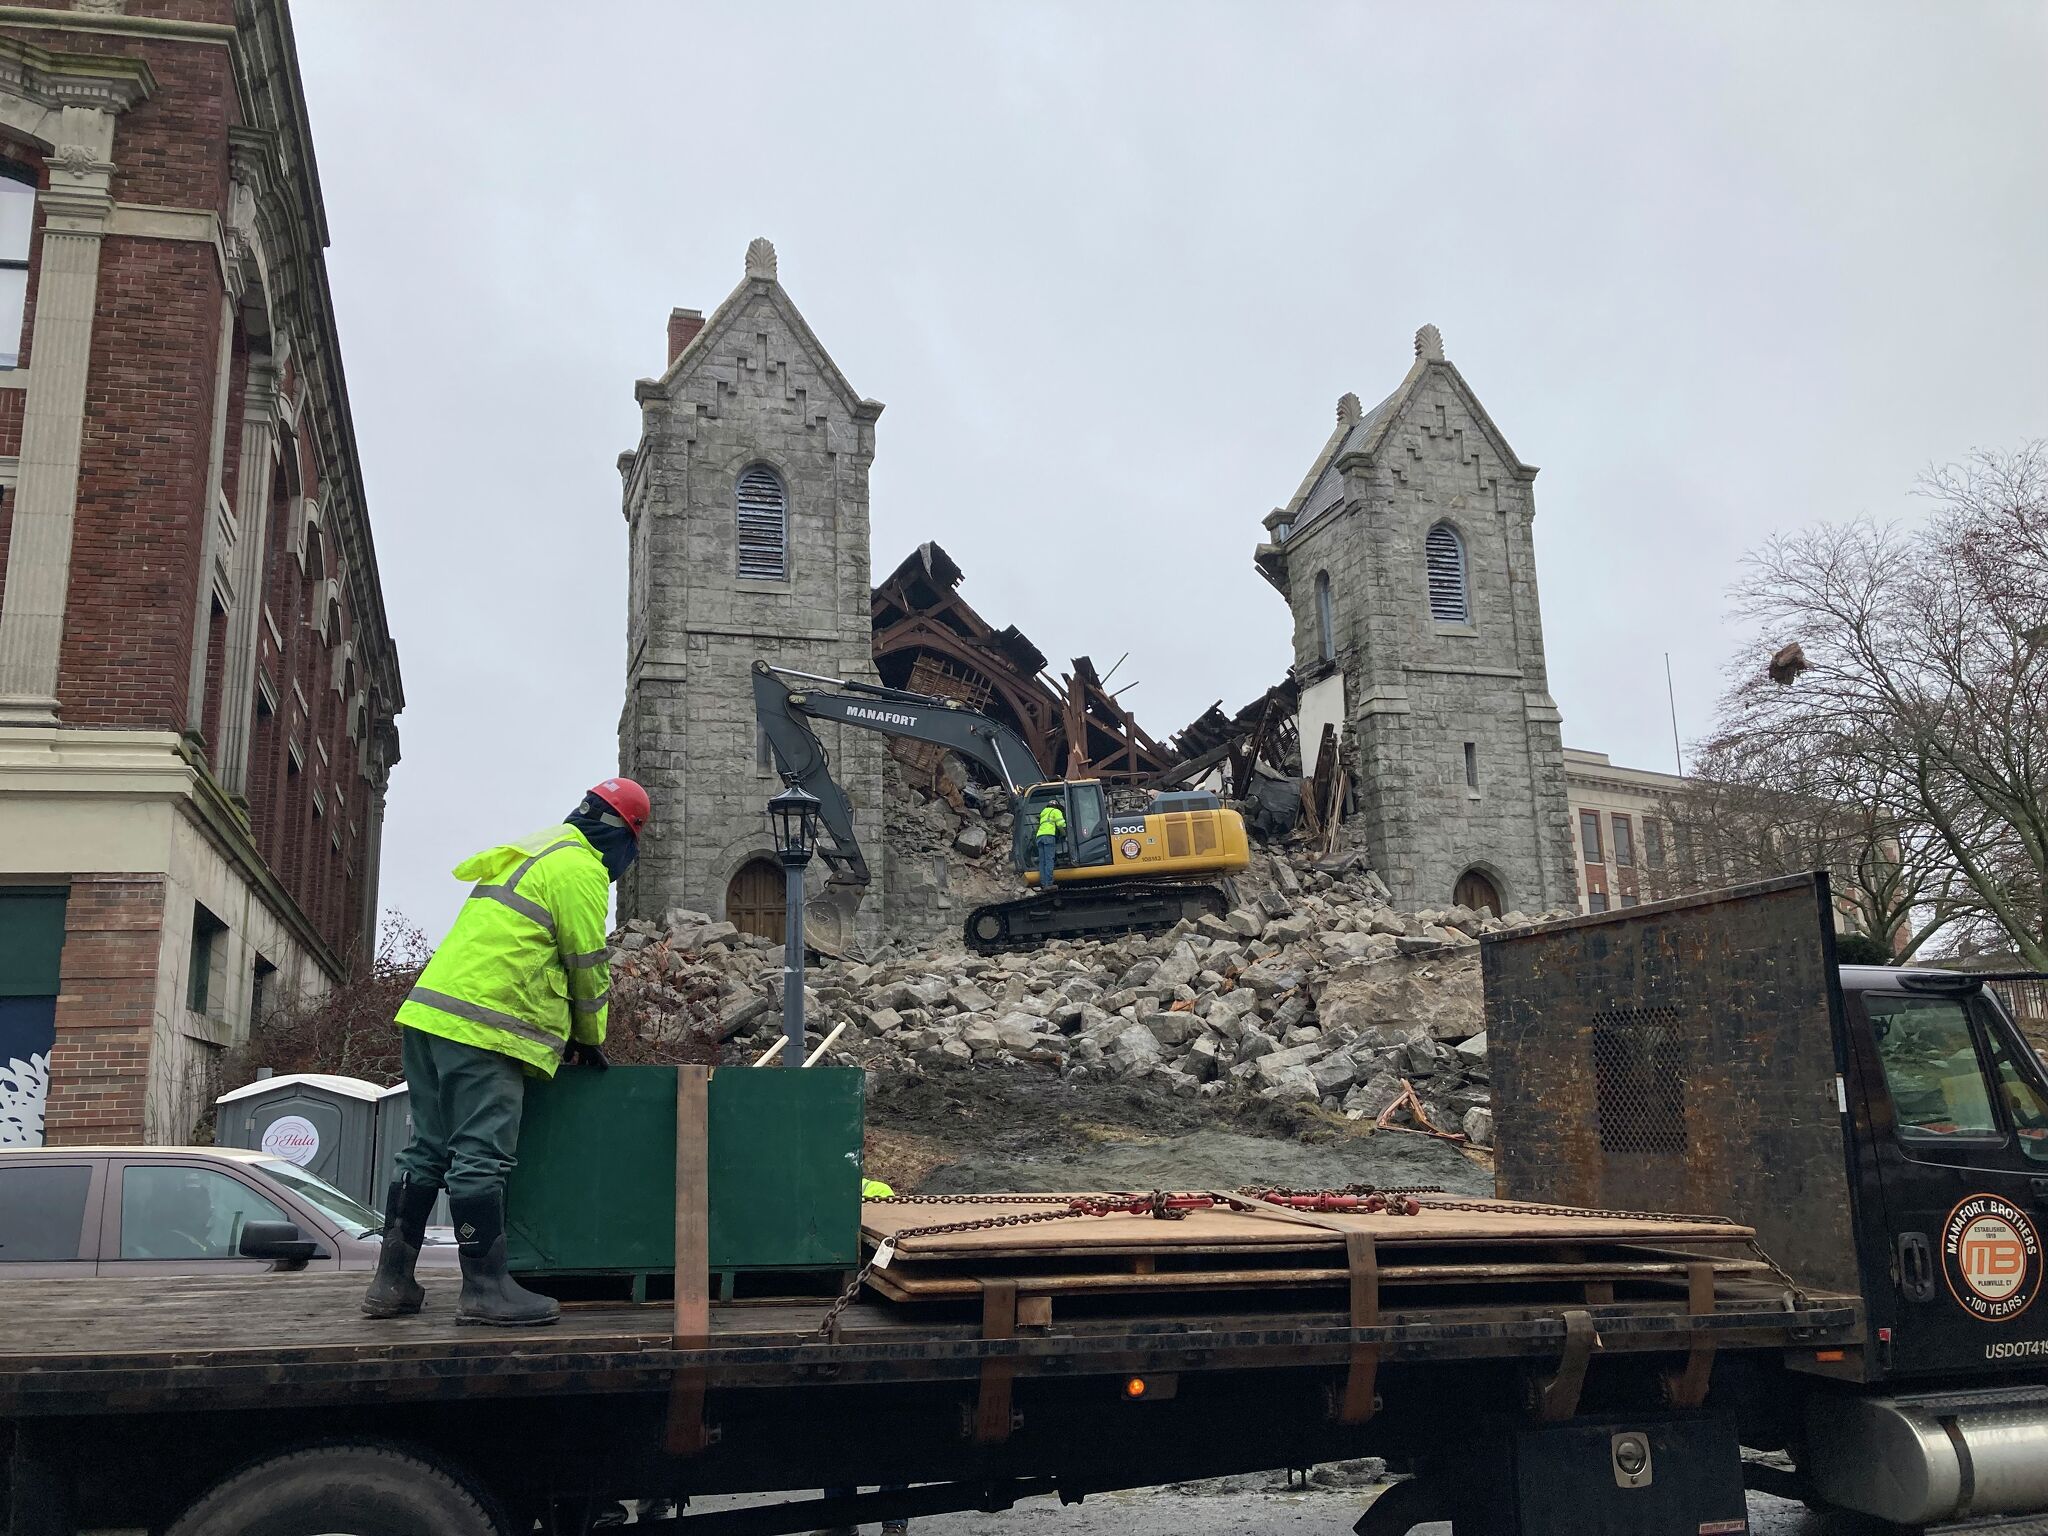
(1952, 1157)
(1884, 1130)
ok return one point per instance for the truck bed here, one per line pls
(280, 1341)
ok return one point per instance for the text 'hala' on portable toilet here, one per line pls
(394, 1131)
(325, 1123)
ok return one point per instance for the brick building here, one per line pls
(1407, 560)
(746, 504)
(197, 684)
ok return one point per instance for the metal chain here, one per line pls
(1521, 1208)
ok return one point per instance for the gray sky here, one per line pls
(1718, 269)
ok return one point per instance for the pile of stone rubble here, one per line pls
(1313, 990)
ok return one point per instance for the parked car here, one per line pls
(179, 1211)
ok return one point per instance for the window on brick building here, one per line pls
(1596, 901)
(1448, 602)
(1589, 838)
(209, 947)
(1326, 619)
(262, 983)
(763, 513)
(1653, 842)
(17, 218)
(1624, 841)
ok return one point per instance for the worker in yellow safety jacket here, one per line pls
(1052, 821)
(518, 987)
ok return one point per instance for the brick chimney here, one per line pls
(683, 326)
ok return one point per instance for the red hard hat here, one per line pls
(628, 799)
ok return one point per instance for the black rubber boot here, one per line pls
(394, 1292)
(489, 1293)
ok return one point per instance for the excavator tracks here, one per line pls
(1071, 913)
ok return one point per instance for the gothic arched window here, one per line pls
(1448, 603)
(1326, 619)
(763, 513)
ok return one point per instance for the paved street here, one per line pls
(1316, 1512)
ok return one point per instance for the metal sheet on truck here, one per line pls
(1681, 1057)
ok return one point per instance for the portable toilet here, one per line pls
(325, 1123)
(394, 1130)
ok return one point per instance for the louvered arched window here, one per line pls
(763, 513)
(1447, 594)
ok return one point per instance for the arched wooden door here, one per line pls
(753, 902)
(1474, 891)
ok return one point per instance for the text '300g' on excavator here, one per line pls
(1115, 872)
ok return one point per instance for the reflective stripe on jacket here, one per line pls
(1052, 821)
(523, 970)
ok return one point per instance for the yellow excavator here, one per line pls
(1114, 873)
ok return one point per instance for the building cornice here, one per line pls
(53, 762)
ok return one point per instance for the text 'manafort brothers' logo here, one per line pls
(1991, 1255)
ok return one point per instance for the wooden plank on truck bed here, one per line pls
(1224, 1230)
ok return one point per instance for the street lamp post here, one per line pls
(793, 818)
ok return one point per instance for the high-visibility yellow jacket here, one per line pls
(523, 970)
(1052, 821)
(875, 1189)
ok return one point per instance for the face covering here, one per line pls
(608, 834)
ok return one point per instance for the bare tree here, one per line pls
(1753, 811)
(1924, 701)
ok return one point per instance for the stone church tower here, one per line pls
(746, 507)
(1407, 559)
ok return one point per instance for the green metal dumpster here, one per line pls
(595, 1189)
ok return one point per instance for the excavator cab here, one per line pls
(1085, 843)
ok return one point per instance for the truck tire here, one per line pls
(354, 1488)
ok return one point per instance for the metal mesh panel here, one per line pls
(1177, 835)
(1639, 1081)
(763, 525)
(1205, 830)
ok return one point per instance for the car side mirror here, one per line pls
(279, 1241)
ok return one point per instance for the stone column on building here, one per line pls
(373, 855)
(253, 481)
(218, 545)
(75, 212)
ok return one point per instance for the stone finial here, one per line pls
(761, 257)
(1348, 408)
(1429, 344)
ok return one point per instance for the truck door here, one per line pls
(1959, 1122)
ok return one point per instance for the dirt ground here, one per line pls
(988, 1132)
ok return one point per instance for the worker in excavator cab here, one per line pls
(518, 987)
(1052, 823)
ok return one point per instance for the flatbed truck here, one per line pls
(1879, 1131)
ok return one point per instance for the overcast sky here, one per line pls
(1718, 269)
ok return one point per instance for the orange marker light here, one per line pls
(1829, 1355)
(1135, 1388)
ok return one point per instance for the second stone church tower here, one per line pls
(746, 508)
(1407, 559)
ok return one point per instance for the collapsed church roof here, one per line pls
(929, 639)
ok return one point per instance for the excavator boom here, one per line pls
(785, 713)
(1118, 874)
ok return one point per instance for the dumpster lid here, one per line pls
(353, 1087)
